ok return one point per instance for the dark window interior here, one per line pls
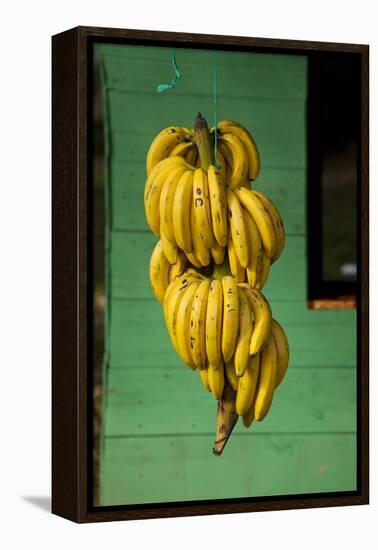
(333, 161)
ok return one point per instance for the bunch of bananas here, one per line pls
(218, 239)
(204, 213)
(225, 330)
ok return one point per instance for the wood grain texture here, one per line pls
(183, 468)
(151, 395)
(308, 400)
(312, 336)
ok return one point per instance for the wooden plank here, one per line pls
(150, 54)
(278, 127)
(157, 401)
(285, 186)
(130, 255)
(239, 74)
(139, 338)
(142, 470)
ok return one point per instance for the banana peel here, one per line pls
(226, 418)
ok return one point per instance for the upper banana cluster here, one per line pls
(204, 210)
(218, 239)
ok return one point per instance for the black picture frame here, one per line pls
(72, 402)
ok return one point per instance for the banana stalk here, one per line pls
(226, 418)
(226, 414)
(202, 138)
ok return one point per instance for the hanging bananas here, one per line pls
(218, 239)
(214, 324)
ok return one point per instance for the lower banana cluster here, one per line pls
(226, 331)
(218, 240)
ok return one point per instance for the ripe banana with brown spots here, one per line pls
(214, 315)
(163, 144)
(159, 272)
(262, 314)
(197, 326)
(230, 327)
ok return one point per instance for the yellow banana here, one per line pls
(170, 249)
(255, 249)
(203, 373)
(201, 207)
(238, 228)
(172, 298)
(236, 157)
(216, 380)
(163, 144)
(167, 163)
(192, 259)
(277, 222)
(222, 167)
(159, 270)
(267, 379)
(249, 417)
(232, 127)
(218, 252)
(199, 249)
(218, 206)
(230, 328)
(241, 358)
(182, 149)
(231, 375)
(247, 386)
(262, 316)
(197, 274)
(153, 188)
(182, 339)
(197, 327)
(178, 268)
(282, 346)
(181, 208)
(166, 202)
(264, 271)
(236, 269)
(256, 209)
(214, 325)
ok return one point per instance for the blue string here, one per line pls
(172, 84)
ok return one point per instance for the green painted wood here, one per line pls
(139, 338)
(131, 253)
(128, 179)
(277, 126)
(159, 421)
(267, 76)
(262, 62)
(309, 400)
(166, 469)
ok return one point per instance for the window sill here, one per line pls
(344, 302)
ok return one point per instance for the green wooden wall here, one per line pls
(158, 424)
